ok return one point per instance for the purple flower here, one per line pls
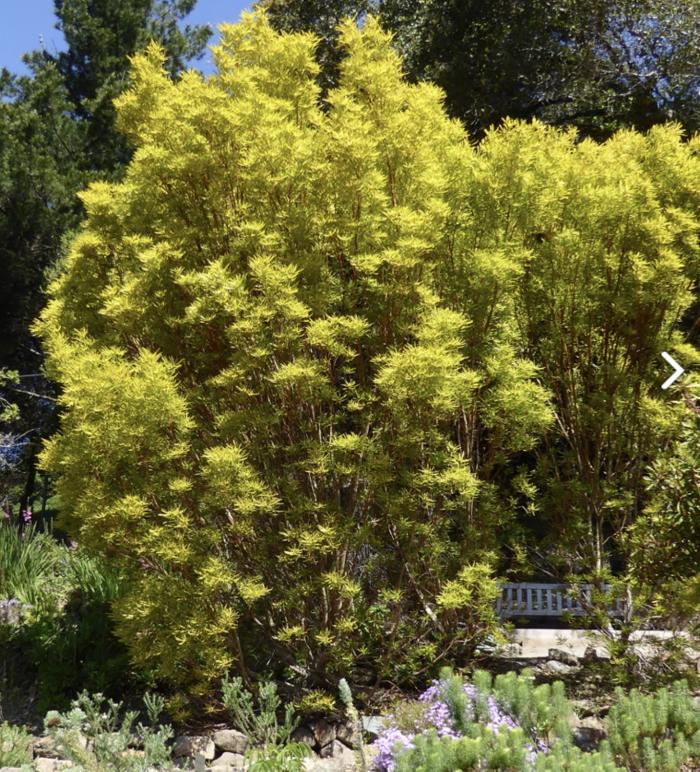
(387, 743)
(438, 716)
(27, 516)
(437, 713)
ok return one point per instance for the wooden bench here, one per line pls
(526, 599)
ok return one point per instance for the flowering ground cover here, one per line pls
(508, 715)
(508, 723)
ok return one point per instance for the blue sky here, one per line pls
(25, 22)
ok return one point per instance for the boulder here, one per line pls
(45, 747)
(327, 751)
(302, 734)
(559, 655)
(230, 740)
(341, 760)
(584, 708)
(342, 752)
(347, 734)
(590, 655)
(193, 746)
(588, 734)
(12, 611)
(553, 667)
(314, 764)
(324, 732)
(43, 764)
(228, 762)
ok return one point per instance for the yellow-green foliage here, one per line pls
(291, 354)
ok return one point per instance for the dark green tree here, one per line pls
(597, 65)
(102, 36)
(630, 63)
(40, 147)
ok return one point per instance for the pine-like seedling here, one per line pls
(657, 732)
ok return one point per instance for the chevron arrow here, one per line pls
(677, 370)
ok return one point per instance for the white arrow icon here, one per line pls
(677, 370)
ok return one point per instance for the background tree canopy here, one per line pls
(598, 66)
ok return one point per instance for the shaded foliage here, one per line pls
(598, 66)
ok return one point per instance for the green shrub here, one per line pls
(501, 723)
(79, 633)
(293, 347)
(66, 597)
(507, 723)
(284, 758)
(542, 711)
(30, 564)
(483, 750)
(508, 750)
(656, 732)
(258, 721)
(258, 718)
(96, 735)
(15, 746)
(569, 758)
(34, 588)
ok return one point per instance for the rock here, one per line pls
(584, 708)
(314, 764)
(327, 751)
(347, 735)
(343, 753)
(372, 725)
(343, 760)
(302, 734)
(193, 746)
(45, 747)
(230, 740)
(554, 668)
(590, 655)
(559, 655)
(589, 733)
(43, 764)
(228, 762)
(340, 753)
(324, 733)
